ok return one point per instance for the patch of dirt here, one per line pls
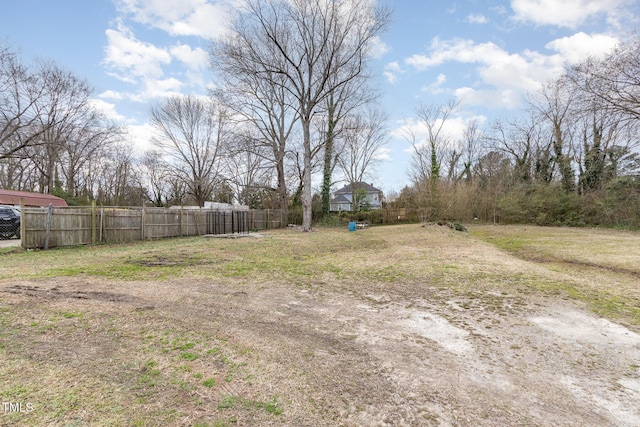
(381, 361)
(46, 293)
(549, 365)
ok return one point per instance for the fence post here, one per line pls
(22, 223)
(181, 234)
(93, 222)
(101, 222)
(143, 218)
(48, 227)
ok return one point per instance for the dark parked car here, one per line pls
(9, 222)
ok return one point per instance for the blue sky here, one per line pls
(487, 54)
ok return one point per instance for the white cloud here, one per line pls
(566, 13)
(108, 109)
(476, 18)
(580, 45)
(111, 94)
(498, 98)
(130, 58)
(412, 129)
(378, 48)
(383, 154)
(154, 71)
(199, 18)
(195, 59)
(158, 88)
(391, 71)
(506, 77)
(436, 87)
(459, 50)
(140, 136)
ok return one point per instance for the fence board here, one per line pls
(70, 226)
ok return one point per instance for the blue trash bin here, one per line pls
(352, 226)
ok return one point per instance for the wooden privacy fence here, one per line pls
(69, 226)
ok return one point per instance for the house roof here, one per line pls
(11, 197)
(348, 189)
(340, 199)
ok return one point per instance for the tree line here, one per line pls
(292, 97)
(53, 139)
(571, 157)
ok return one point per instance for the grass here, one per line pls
(606, 259)
(157, 341)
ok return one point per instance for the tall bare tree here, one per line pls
(156, 176)
(339, 104)
(472, 148)
(428, 154)
(64, 111)
(115, 179)
(192, 132)
(364, 137)
(554, 105)
(249, 169)
(259, 99)
(21, 91)
(529, 147)
(306, 43)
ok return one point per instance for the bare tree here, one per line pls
(306, 43)
(364, 137)
(554, 105)
(427, 157)
(604, 132)
(65, 113)
(339, 104)
(48, 128)
(20, 115)
(614, 80)
(156, 176)
(527, 144)
(114, 179)
(248, 170)
(193, 134)
(471, 149)
(83, 145)
(259, 98)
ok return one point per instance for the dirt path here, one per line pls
(420, 363)
(373, 360)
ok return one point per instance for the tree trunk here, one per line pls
(282, 188)
(306, 179)
(327, 172)
(328, 158)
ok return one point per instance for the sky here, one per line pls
(486, 54)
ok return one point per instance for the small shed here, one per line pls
(12, 197)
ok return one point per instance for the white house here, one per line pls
(343, 198)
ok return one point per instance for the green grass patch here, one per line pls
(189, 356)
(229, 401)
(209, 382)
(71, 315)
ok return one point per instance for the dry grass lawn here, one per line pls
(388, 326)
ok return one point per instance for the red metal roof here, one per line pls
(11, 197)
